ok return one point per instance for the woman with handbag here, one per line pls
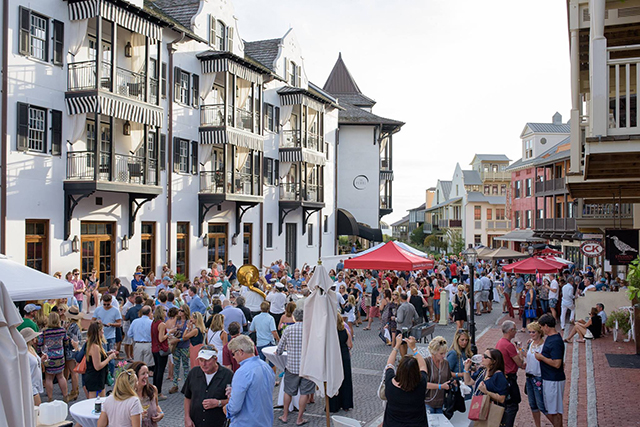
(438, 375)
(405, 388)
(159, 348)
(530, 304)
(488, 382)
(97, 361)
(533, 385)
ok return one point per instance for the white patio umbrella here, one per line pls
(24, 283)
(321, 361)
(16, 399)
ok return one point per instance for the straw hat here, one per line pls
(73, 313)
(28, 334)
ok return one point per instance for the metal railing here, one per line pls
(385, 202)
(125, 169)
(607, 211)
(244, 119)
(212, 115)
(297, 192)
(555, 224)
(130, 84)
(291, 138)
(623, 74)
(212, 182)
(557, 184)
(289, 191)
(314, 142)
(82, 76)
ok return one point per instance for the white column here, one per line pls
(576, 143)
(598, 70)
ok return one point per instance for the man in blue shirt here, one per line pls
(111, 319)
(163, 285)
(231, 271)
(251, 399)
(265, 328)
(140, 331)
(232, 314)
(551, 360)
(137, 282)
(340, 266)
(196, 303)
(519, 284)
(296, 281)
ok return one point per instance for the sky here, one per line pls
(465, 76)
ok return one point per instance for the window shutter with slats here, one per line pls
(56, 132)
(299, 76)
(25, 31)
(212, 30)
(194, 157)
(164, 80)
(276, 119)
(276, 172)
(58, 42)
(176, 154)
(195, 101)
(230, 39)
(177, 77)
(23, 127)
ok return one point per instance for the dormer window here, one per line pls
(294, 74)
(528, 149)
(220, 35)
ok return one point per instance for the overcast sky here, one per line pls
(465, 76)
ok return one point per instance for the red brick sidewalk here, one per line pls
(616, 388)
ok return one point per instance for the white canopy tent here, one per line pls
(24, 283)
(16, 399)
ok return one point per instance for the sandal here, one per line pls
(366, 329)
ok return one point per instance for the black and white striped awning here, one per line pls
(117, 108)
(85, 9)
(219, 65)
(301, 155)
(232, 136)
(300, 99)
(386, 176)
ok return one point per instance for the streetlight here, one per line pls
(530, 250)
(471, 256)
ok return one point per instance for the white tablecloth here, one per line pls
(280, 361)
(439, 420)
(82, 413)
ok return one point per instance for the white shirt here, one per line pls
(36, 373)
(553, 292)
(533, 364)
(452, 290)
(588, 288)
(278, 302)
(567, 295)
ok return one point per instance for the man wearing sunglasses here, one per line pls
(111, 319)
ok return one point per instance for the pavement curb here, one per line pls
(592, 405)
(572, 420)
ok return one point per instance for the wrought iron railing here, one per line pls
(291, 138)
(212, 182)
(607, 210)
(297, 192)
(212, 115)
(125, 168)
(130, 84)
(82, 76)
(244, 119)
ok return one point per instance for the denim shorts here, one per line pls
(436, 306)
(553, 302)
(534, 393)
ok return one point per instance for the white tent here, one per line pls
(24, 283)
(16, 400)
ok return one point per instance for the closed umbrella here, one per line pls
(321, 361)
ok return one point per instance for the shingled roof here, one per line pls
(353, 115)
(340, 80)
(263, 51)
(180, 10)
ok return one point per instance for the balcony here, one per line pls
(603, 216)
(500, 224)
(495, 176)
(385, 164)
(118, 173)
(81, 76)
(563, 225)
(300, 139)
(551, 186)
(385, 205)
(449, 223)
(235, 184)
(312, 193)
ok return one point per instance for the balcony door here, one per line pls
(246, 244)
(98, 250)
(104, 141)
(291, 236)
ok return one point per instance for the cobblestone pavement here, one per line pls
(368, 358)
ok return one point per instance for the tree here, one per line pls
(417, 236)
(456, 241)
(433, 241)
(386, 238)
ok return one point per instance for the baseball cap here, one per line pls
(217, 285)
(137, 272)
(31, 307)
(167, 278)
(455, 280)
(207, 352)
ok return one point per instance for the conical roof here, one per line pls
(340, 80)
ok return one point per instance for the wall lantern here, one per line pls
(127, 50)
(126, 128)
(125, 243)
(205, 240)
(75, 244)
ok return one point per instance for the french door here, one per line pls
(291, 235)
(98, 250)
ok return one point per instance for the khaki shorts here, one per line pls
(293, 383)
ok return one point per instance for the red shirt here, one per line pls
(228, 359)
(453, 268)
(508, 351)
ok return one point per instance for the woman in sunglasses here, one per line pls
(489, 379)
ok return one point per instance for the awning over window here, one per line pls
(118, 108)
(218, 65)
(85, 9)
(290, 156)
(348, 226)
(302, 155)
(232, 136)
(386, 176)
(298, 96)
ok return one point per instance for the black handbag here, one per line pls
(453, 401)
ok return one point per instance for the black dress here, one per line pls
(460, 312)
(95, 380)
(344, 398)
(417, 302)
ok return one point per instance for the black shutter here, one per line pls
(194, 157)
(163, 83)
(58, 42)
(176, 83)
(276, 172)
(23, 127)
(176, 154)
(56, 132)
(25, 31)
(196, 91)
(163, 151)
(276, 120)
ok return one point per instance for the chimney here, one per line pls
(557, 118)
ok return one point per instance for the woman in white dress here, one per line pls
(35, 363)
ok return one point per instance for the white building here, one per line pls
(152, 133)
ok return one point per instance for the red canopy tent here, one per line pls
(534, 265)
(548, 251)
(389, 257)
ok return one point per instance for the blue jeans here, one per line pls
(262, 356)
(436, 306)
(534, 393)
(79, 306)
(433, 410)
(544, 305)
(111, 344)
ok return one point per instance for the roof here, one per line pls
(246, 61)
(520, 164)
(475, 196)
(180, 10)
(561, 151)
(353, 115)
(546, 128)
(356, 99)
(163, 10)
(340, 80)
(404, 220)
(446, 188)
(445, 203)
(421, 207)
(490, 158)
(263, 51)
(520, 236)
(311, 94)
(471, 177)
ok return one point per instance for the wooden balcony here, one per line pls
(604, 215)
(495, 176)
(500, 224)
(450, 223)
(555, 225)
(551, 187)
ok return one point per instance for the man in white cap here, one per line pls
(205, 390)
(218, 292)
(29, 315)
(278, 301)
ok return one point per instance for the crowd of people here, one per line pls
(208, 334)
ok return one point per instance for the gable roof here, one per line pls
(561, 151)
(546, 128)
(404, 220)
(519, 164)
(421, 207)
(471, 178)
(490, 158)
(340, 80)
(446, 188)
(445, 203)
(263, 51)
(352, 115)
(180, 10)
(476, 196)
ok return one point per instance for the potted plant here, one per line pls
(633, 290)
(622, 317)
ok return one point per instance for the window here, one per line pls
(271, 117)
(37, 140)
(499, 214)
(247, 243)
(503, 189)
(33, 129)
(195, 97)
(182, 248)
(487, 189)
(185, 156)
(477, 239)
(494, 189)
(517, 188)
(293, 78)
(489, 214)
(36, 244)
(220, 30)
(217, 249)
(309, 234)
(528, 149)
(182, 86)
(528, 187)
(34, 37)
(220, 36)
(540, 214)
(269, 231)
(477, 213)
(516, 218)
(271, 167)
(325, 224)
(148, 248)
(529, 218)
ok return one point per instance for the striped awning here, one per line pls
(232, 136)
(300, 99)
(386, 176)
(85, 9)
(301, 155)
(290, 156)
(117, 108)
(219, 65)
